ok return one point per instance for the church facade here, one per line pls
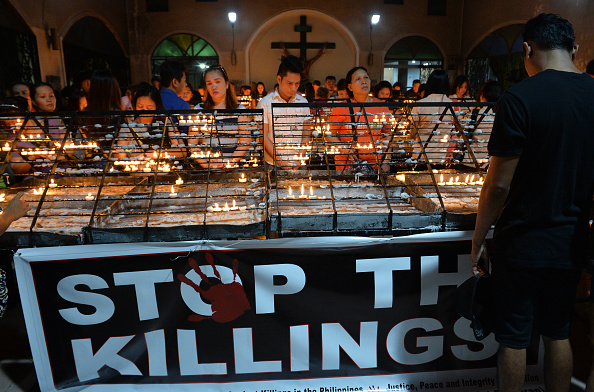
(133, 36)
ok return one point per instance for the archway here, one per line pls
(498, 56)
(193, 51)
(20, 61)
(263, 58)
(89, 44)
(411, 58)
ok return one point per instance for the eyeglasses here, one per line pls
(217, 68)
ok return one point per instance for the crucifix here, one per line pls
(303, 28)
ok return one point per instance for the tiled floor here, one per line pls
(17, 373)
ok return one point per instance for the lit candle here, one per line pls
(52, 184)
(234, 207)
(146, 169)
(290, 195)
(311, 195)
(6, 147)
(173, 193)
(2, 197)
(182, 121)
(242, 179)
(255, 162)
(302, 195)
(441, 180)
(226, 207)
(179, 181)
(89, 197)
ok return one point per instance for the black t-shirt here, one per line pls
(547, 120)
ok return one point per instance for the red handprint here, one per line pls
(228, 300)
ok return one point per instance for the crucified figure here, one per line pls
(305, 63)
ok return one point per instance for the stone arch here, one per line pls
(195, 51)
(344, 57)
(497, 55)
(414, 47)
(89, 42)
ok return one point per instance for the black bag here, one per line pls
(474, 302)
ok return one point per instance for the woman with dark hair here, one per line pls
(356, 127)
(140, 132)
(258, 93)
(460, 88)
(104, 94)
(228, 131)
(43, 98)
(383, 91)
(433, 125)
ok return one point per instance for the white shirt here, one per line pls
(287, 121)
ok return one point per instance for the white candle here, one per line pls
(234, 207)
(182, 121)
(311, 195)
(2, 197)
(242, 179)
(6, 147)
(226, 207)
(89, 197)
(52, 184)
(173, 193)
(302, 195)
(179, 181)
(290, 195)
(216, 208)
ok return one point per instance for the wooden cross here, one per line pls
(303, 28)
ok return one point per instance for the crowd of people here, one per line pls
(538, 190)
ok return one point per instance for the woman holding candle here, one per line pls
(359, 130)
(227, 131)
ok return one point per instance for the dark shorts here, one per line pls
(531, 297)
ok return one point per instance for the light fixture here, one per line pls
(232, 18)
(374, 20)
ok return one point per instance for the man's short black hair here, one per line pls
(590, 68)
(317, 83)
(416, 81)
(289, 64)
(549, 31)
(492, 90)
(170, 70)
(330, 77)
(156, 79)
(341, 85)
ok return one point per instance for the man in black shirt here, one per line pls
(539, 188)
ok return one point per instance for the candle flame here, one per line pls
(172, 190)
(226, 207)
(290, 191)
(302, 189)
(311, 190)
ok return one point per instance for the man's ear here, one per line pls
(174, 83)
(278, 79)
(527, 50)
(574, 51)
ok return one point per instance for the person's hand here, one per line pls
(16, 208)
(479, 259)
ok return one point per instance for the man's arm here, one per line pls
(493, 196)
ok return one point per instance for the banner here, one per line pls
(301, 315)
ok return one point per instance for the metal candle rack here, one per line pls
(164, 176)
(378, 168)
(136, 176)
